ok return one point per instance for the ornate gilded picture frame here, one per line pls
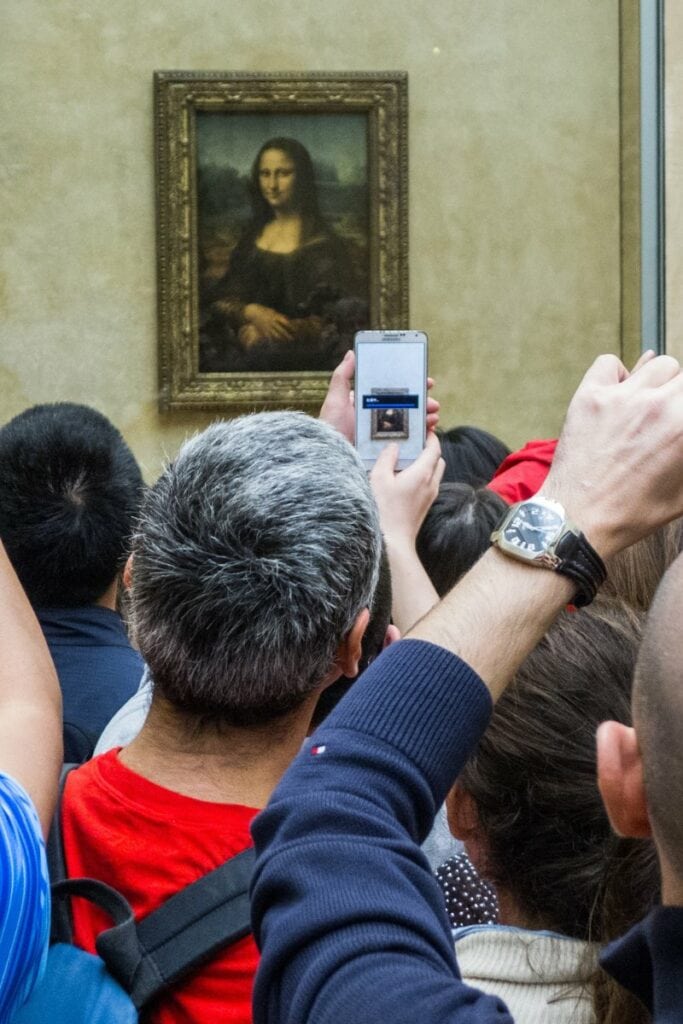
(281, 230)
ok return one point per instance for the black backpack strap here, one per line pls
(170, 943)
(102, 895)
(183, 933)
(61, 930)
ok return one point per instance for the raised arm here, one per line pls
(403, 501)
(30, 699)
(617, 472)
(350, 920)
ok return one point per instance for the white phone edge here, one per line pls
(421, 336)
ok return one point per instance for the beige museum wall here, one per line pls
(515, 217)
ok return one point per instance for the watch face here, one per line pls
(533, 529)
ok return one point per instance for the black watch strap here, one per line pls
(582, 564)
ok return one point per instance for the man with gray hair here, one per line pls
(253, 569)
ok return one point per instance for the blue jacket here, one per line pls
(24, 898)
(648, 961)
(350, 920)
(97, 667)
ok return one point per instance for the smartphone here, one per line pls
(391, 393)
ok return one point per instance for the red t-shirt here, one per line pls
(149, 842)
(523, 473)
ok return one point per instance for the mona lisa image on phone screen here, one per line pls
(391, 393)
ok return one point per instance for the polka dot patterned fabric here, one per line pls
(469, 899)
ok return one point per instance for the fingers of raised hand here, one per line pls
(385, 465)
(431, 452)
(619, 456)
(654, 372)
(342, 376)
(337, 409)
(346, 369)
(432, 414)
(644, 358)
(607, 369)
(426, 472)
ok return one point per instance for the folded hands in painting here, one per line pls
(264, 324)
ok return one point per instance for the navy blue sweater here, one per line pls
(647, 961)
(98, 669)
(350, 920)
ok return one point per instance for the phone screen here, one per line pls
(391, 393)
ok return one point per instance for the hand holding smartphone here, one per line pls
(391, 394)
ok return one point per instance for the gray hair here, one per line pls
(256, 550)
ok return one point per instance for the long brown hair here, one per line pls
(633, 574)
(547, 838)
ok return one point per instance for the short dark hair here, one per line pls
(373, 643)
(457, 531)
(257, 549)
(70, 490)
(472, 455)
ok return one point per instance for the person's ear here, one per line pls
(461, 812)
(392, 634)
(620, 779)
(127, 574)
(351, 648)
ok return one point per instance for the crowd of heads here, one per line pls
(256, 554)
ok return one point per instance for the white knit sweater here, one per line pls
(541, 976)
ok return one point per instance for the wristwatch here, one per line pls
(538, 532)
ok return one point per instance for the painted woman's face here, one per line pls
(277, 178)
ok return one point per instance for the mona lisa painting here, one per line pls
(282, 216)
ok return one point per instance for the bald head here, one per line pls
(658, 714)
